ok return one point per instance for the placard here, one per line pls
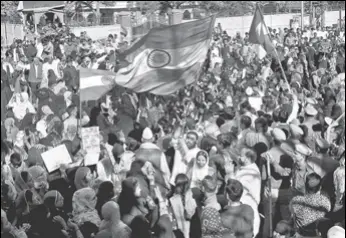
(91, 144)
(91, 139)
(91, 159)
(325, 47)
(55, 157)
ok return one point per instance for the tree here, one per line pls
(9, 10)
(74, 7)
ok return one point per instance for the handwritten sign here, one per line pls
(55, 157)
(91, 144)
(325, 47)
(91, 139)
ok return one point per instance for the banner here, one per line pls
(91, 144)
(55, 157)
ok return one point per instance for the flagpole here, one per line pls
(270, 200)
(276, 53)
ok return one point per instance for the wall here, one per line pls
(333, 17)
(97, 32)
(11, 31)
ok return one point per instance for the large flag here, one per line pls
(167, 59)
(259, 35)
(95, 83)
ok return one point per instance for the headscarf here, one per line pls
(53, 200)
(34, 156)
(22, 205)
(21, 106)
(83, 203)
(79, 180)
(39, 176)
(198, 174)
(112, 224)
(22, 185)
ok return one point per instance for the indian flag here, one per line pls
(167, 59)
(259, 35)
(95, 83)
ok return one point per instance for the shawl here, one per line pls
(83, 204)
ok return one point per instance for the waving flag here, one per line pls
(95, 83)
(167, 59)
(259, 35)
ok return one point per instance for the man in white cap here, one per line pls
(149, 152)
(336, 232)
(282, 165)
(309, 122)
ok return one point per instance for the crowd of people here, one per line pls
(254, 146)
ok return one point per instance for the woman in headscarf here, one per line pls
(10, 129)
(83, 177)
(54, 202)
(8, 230)
(105, 194)
(112, 226)
(84, 203)
(23, 182)
(48, 219)
(39, 177)
(199, 170)
(26, 202)
(21, 105)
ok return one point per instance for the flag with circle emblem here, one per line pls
(259, 35)
(168, 58)
(94, 84)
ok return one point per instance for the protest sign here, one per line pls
(91, 144)
(55, 157)
(325, 47)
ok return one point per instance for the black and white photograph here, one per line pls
(173, 119)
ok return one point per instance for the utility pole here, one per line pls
(98, 16)
(302, 15)
(340, 18)
(311, 13)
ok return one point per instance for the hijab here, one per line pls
(198, 174)
(112, 226)
(83, 204)
(23, 207)
(22, 105)
(39, 176)
(21, 183)
(79, 180)
(53, 200)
